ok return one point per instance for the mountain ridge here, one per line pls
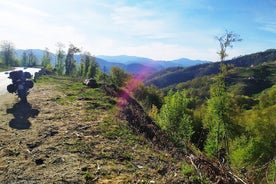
(128, 63)
(174, 75)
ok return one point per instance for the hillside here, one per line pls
(68, 133)
(176, 75)
(247, 81)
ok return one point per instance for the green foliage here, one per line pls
(49, 67)
(254, 149)
(268, 98)
(271, 172)
(148, 96)
(258, 147)
(188, 169)
(7, 53)
(153, 113)
(46, 59)
(216, 119)
(197, 88)
(81, 69)
(60, 66)
(174, 117)
(240, 103)
(92, 69)
(88, 66)
(24, 59)
(118, 76)
(102, 77)
(70, 62)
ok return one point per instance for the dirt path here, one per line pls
(46, 142)
(35, 138)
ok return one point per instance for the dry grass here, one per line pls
(76, 138)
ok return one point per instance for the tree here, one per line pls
(118, 76)
(174, 117)
(88, 65)
(60, 59)
(226, 41)
(24, 60)
(46, 59)
(81, 69)
(254, 149)
(70, 63)
(93, 68)
(217, 118)
(7, 53)
(148, 96)
(32, 59)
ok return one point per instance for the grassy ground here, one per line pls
(72, 134)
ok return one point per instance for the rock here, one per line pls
(92, 83)
(58, 160)
(39, 161)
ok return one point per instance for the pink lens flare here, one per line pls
(131, 85)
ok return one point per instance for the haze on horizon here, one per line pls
(156, 29)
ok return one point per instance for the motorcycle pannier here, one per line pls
(29, 84)
(11, 88)
(27, 75)
(15, 75)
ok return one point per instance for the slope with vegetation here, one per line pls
(173, 76)
(226, 109)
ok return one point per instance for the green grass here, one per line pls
(110, 143)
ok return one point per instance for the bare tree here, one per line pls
(225, 41)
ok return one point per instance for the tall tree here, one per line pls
(32, 59)
(60, 58)
(88, 65)
(92, 68)
(24, 60)
(217, 118)
(8, 52)
(46, 59)
(70, 63)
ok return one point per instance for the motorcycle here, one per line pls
(21, 84)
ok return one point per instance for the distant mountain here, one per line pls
(175, 75)
(124, 59)
(105, 65)
(131, 64)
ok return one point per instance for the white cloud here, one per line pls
(141, 22)
(269, 25)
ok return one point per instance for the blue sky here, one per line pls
(158, 29)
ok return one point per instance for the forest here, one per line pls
(224, 110)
